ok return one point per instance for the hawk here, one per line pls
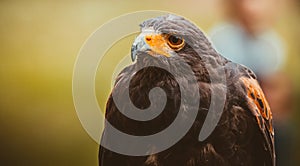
(243, 135)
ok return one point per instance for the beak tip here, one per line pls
(133, 54)
(132, 58)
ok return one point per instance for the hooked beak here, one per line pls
(139, 45)
(151, 43)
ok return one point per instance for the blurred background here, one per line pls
(40, 40)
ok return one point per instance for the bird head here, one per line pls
(169, 36)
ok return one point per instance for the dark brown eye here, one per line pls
(175, 42)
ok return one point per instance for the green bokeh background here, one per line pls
(39, 42)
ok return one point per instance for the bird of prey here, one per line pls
(244, 134)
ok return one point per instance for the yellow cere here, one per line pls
(158, 44)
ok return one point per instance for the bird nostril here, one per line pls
(148, 38)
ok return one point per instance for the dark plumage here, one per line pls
(244, 134)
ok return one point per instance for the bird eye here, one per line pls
(175, 42)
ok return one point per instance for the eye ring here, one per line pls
(175, 42)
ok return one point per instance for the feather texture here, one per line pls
(244, 134)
